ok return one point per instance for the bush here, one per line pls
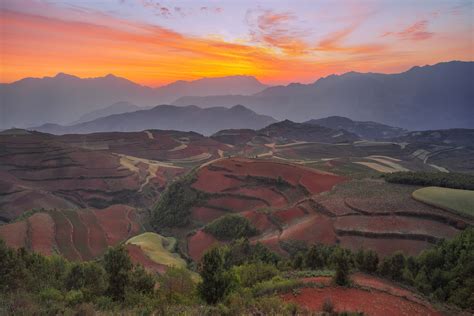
(177, 286)
(50, 296)
(252, 273)
(342, 262)
(74, 297)
(231, 226)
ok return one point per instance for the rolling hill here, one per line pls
(168, 117)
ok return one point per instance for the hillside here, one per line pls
(168, 117)
(430, 97)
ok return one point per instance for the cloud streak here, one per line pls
(415, 32)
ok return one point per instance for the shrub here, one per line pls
(231, 226)
(74, 297)
(252, 273)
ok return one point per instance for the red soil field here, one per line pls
(96, 237)
(205, 214)
(384, 247)
(395, 224)
(259, 220)
(199, 243)
(79, 235)
(371, 302)
(14, 234)
(235, 204)
(211, 181)
(115, 223)
(64, 237)
(41, 233)
(276, 200)
(314, 229)
(289, 215)
(317, 183)
(138, 257)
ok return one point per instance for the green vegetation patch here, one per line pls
(174, 206)
(231, 226)
(438, 179)
(461, 201)
(159, 249)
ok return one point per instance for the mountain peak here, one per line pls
(62, 75)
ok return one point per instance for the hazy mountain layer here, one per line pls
(64, 98)
(169, 117)
(429, 97)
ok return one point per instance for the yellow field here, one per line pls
(158, 249)
(461, 201)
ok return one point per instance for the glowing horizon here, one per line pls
(157, 42)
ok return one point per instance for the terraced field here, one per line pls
(272, 195)
(289, 203)
(76, 234)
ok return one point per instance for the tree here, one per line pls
(75, 279)
(314, 259)
(342, 263)
(216, 281)
(298, 261)
(397, 264)
(141, 281)
(371, 261)
(118, 266)
(177, 286)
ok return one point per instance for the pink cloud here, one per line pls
(415, 32)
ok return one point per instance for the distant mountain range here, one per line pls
(366, 130)
(168, 117)
(64, 99)
(430, 97)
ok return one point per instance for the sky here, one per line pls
(279, 42)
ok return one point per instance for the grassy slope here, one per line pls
(158, 249)
(452, 199)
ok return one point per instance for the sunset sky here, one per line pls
(157, 42)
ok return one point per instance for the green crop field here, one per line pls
(461, 201)
(158, 248)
